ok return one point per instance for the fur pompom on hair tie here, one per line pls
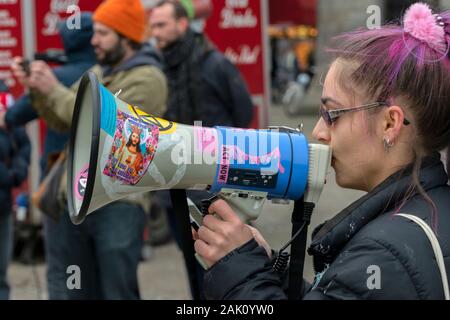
(420, 23)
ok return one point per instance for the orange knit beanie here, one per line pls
(127, 17)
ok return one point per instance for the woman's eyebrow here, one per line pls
(326, 100)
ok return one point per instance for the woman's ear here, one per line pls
(392, 122)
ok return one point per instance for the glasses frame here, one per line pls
(331, 116)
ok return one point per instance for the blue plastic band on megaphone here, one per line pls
(300, 167)
(109, 111)
(262, 160)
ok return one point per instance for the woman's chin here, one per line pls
(342, 180)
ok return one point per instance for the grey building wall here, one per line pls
(334, 17)
(445, 4)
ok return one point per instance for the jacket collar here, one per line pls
(330, 237)
(142, 57)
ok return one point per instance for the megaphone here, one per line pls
(117, 150)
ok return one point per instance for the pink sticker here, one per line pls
(232, 154)
(224, 165)
(81, 182)
(205, 139)
(133, 149)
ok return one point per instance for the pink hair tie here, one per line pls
(420, 22)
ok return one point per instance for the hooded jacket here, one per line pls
(80, 57)
(141, 82)
(364, 237)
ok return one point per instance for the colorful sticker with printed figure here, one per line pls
(133, 149)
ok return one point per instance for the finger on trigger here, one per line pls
(222, 209)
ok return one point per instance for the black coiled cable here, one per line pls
(282, 258)
(281, 262)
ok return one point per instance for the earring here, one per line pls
(387, 144)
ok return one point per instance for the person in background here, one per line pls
(80, 57)
(107, 246)
(15, 150)
(204, 85)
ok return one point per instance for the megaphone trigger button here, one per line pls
(206, 203)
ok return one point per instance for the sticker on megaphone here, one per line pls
(132, 150)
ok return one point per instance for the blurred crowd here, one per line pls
(163, 65)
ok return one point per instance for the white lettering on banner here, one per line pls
(51, 21)
(5, 58)
(62, 5)
(236, 3)
(5, 34)
(232, 19)
(6, 20)
(7, 76)
(246, 55)
(6, 40)
(52, 18)
(8, 1)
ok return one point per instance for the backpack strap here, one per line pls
(436, 248)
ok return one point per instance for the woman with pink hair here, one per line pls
(386, 115)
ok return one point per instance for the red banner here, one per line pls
(293, 12)
(237, 28)
(10, 41)
(50, 12)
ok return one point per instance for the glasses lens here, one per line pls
(325, 116)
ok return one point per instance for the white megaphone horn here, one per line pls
(117, 150)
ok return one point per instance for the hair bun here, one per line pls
(420, 22)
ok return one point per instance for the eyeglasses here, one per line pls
(330, 116)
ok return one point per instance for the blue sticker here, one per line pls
(108, 112)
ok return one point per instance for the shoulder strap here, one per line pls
(436, 248)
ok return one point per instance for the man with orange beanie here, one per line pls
(107, 246)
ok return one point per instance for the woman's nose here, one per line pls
(321, 132)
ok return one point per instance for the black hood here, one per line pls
(77, 42)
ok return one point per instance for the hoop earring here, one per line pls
(387, 144)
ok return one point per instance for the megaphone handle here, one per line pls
(201, 261)
(181, 211)
(197, 223)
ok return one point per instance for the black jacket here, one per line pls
(348, 248)
(204, 85)
(15, 149)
